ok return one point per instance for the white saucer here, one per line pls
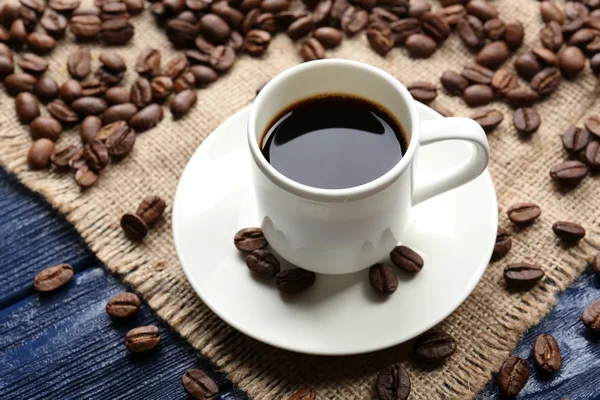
(455, 233)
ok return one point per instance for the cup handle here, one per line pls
(453, 129)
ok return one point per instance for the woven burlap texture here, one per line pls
(486, 326)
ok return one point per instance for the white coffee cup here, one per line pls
(336, 231)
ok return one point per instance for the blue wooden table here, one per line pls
(63, 345)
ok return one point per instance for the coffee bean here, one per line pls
(112, 61)
(513, 376)
(8, 13)
(493, 54)
(233, 16)
(404, 28)
(84, 177)
(108, 130)
(222, 59)
(96, 154)
(250, 19)
(33, 64)
(551, 12)
(117, 95)
(148, 62)
(312, 50)
(435, 26)
(434, 347)
(354, 20)
(406, 259)
(115, 9)
(294, 280)
(381, 40)
(183, 102)
(393, 383)
(504, 81)
(475, 73)
(481, 9)
(39, 153)
(199, 385)
(527, 65)
(303, 394)
(524, 213)
(62, 112)
(574, 10)
(175, 67)
(87, 9)
(79, 63)
(522, 275)
(203, 75)
(249, 239)
(545, 56)
(6, 65)
(52, 278)
(383, 279)
(275, 6)
(569, 172)
(451, 14)
(424, 92)
(592, 124)
(494, 29)
(45, 127)
(46, 89)
(478, 95)
(85, 26)
(141, 92)
(119, 112)
(383, 15)
(526, 120)
(151, 209)
(19, 82)
(572, 26)
(161, 86)
(454, 83)
(39, 6)
(471, 32)
(108, 77)
(328, 36)
(40, 43)
(594, 46)
(123, 305)
(134, 6)
(121, 141)
(546, 353)
(146, 118)
(420, 46)
(215, 28)
(522, 97)
(27, 107)
(236, 41)
(488, 119)
(591, 316)
(575, 139)
(263, 263)
(62, 155)
(256, 42)
(89, 128)
(321, 12)
(503, 244)
(89, 106)
(571, 61)
(337, 9)
(551, 36)
(301, 27)
(143, 338)
(569, 232)
(134, 227)
(514, 34)
(70, 91)
(416, 8)
(116, 31)
(591, 155)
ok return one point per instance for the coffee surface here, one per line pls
(334, 142)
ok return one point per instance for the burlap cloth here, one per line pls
(486, 326)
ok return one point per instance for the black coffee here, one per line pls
(334, 142)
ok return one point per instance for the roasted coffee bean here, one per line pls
(551, 36)
(591, 155)
(303, 394)
(6, 65)
(116, 31)
(256, 42)
(522, 275)
(143, 338)
(148, 62)
(551, 12)
(406, 259)
(249, 239)
(420, 46)
(434, 347)
(134, 6)
(594, 46)
(471, 32)
(62, 112)
(27, 107)
(381, 39)
(275, 6)
(571, 61)
(425, 92)
(79, 63)
(312, 50)
(572, 26)
(393, 383)
(504, 80)
(161, 86)
(265, 22)
(52, 278)
(545, 56)
(503, 244)
(321, 12)
(85, 177)
(109, 129)
(120, 142)
(435, 26)
(85, 26)
(89, 106)
(134, 227)
(19, 82)
(514, 34)
(524, 213)
(183, 102)
(454, 83)
(263, 263)
(236, 41)
(29, 18)
(249, 21)
(329, 37)
(18, 34)
(574, 10)
(488, 119)
(481, 9)
(96, 155)
(478, 95)
(285, 18)
(546, 353)
(65, 6)
(591, 316)
(198, 385)
(416, 8)
(46, 89)
(477, 74)
(215, 28)
(5, 51)
(89, 128)
(146, 118)
(33, 64)
(39, 153)
(569, 232)
(175, 67)
(39, 6)
(592, 124)
(404, 28)
(526, 120)
(513, 376)
(569, 172)
(383, 15)
(151, 209)
(197, 57)
(233, 16)
(337, 9)
(40, 43)
(108, 77)
(222, 59)
(522, 97)
(301, 27)
(8, 13)
(354, 20)
(575, 139)
(451, 14)
(123, 305)
(62, 155)
(493, 54)
(383, 279)
(70, 91)
(115, 9)
(527, 65)
(494, 29)
(546, 81)
(203, 75)
(45, 127)
(174, 7)
(112, 61)
(187, 80)
(141, 92)
(294, 280)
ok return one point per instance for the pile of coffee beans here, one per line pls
(148, 212)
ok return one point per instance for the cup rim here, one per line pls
(333, 195)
